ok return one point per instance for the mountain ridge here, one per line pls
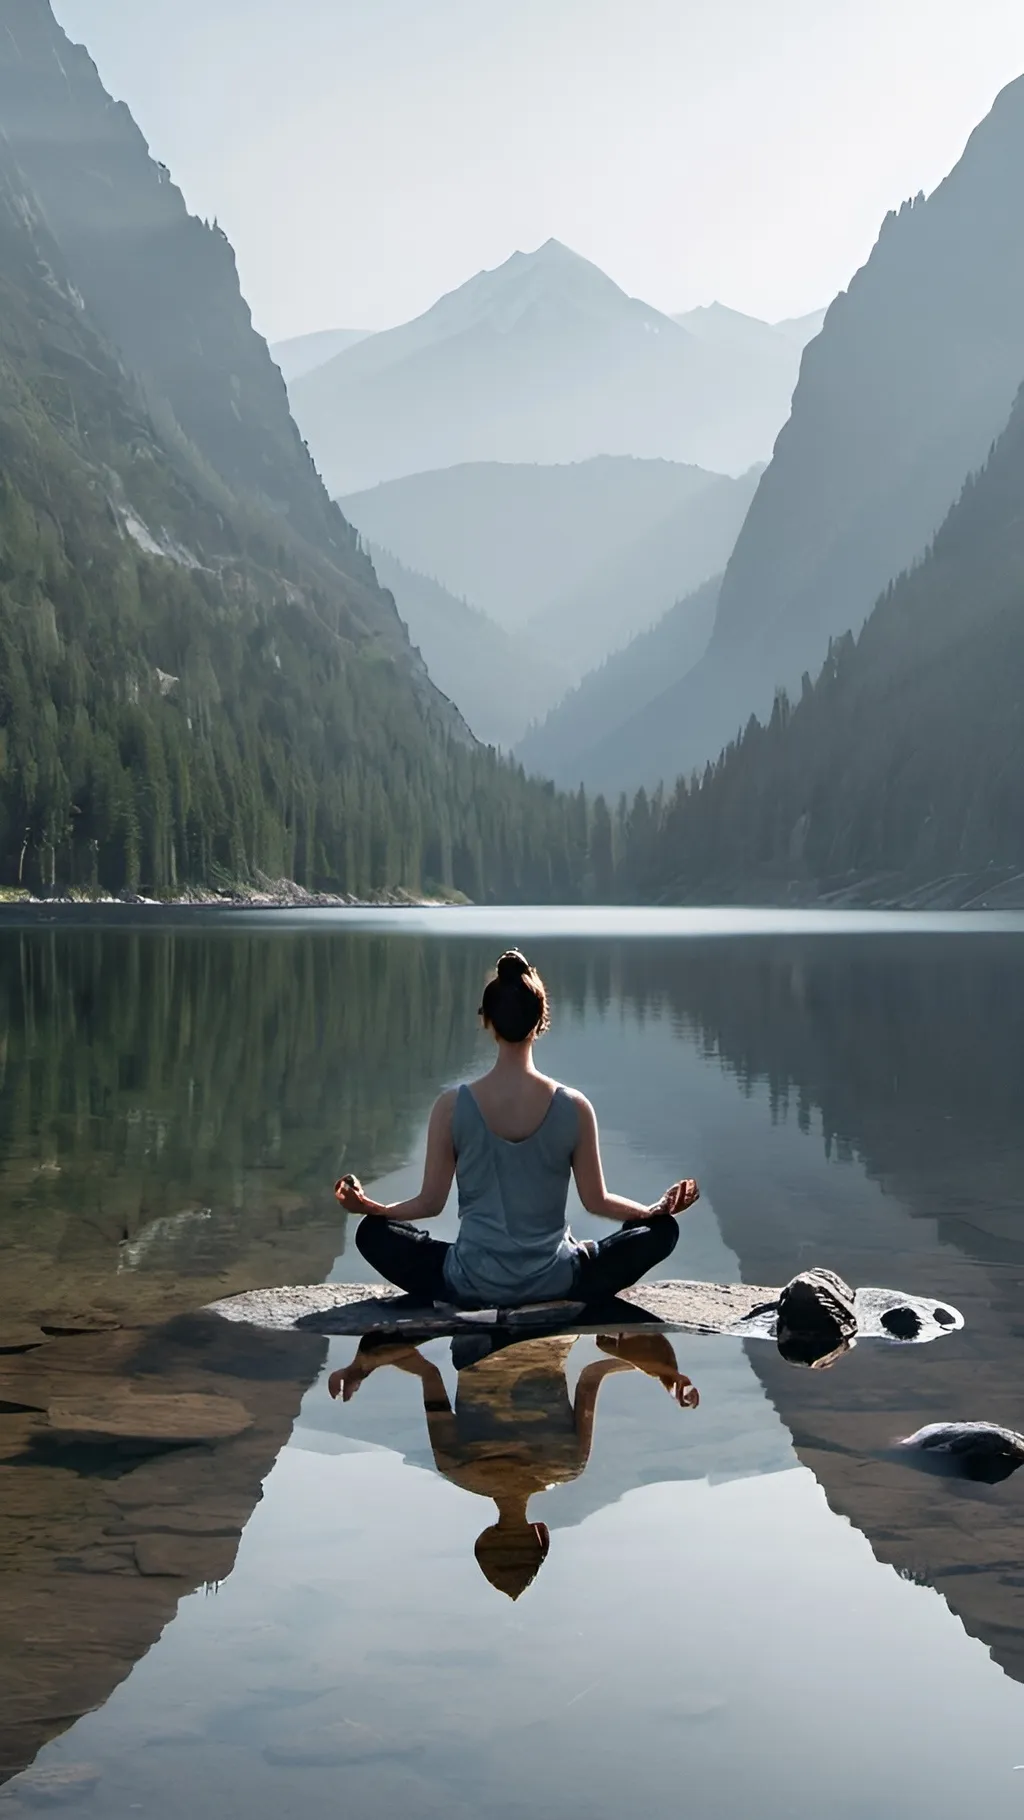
(899, 398)
(201, 677)
(542, 359)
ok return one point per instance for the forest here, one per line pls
(198, 685)
(901, 763)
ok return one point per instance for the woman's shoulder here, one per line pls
(444, 1106)
(579, 1100)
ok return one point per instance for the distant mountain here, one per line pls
(801, 329)
(768, 342)
(899, 399)
(900, 766)
(498, 680)
(201, 679)
(305, 353)
(584, 554)
(596, 735)
(630, 590)
(543, 360)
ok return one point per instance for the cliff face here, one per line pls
(901, 762)
(899, 399)
(161, 285)
(199, 672)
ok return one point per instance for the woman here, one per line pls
(512, 1139)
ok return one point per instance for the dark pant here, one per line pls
(414, 1261)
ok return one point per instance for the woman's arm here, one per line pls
(590, 1182)
(438, 1171)
(584, 1406)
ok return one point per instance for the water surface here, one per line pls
(747, 1606)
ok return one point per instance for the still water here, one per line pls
(747, 1607)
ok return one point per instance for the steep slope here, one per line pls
(515, 537)
(596, 734)
(161, 285)
(192, 683)
(302, 354)
(543, 360)
(629, 591)
(899, 398)
(902, 763)
(498, 681)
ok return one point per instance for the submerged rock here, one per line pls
(981, 1451)
(120, 1415)
(62, 1786)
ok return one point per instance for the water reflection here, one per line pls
(513, 1430)
(173, 1110)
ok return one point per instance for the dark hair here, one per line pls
(511, 1558)
(515, 1001)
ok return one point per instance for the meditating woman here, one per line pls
(512, 1139)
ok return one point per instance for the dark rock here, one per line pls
(817, 1318)
(979, 1451)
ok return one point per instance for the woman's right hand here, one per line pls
(349, 1191)
(678, 1198)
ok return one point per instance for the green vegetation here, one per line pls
(903, 760)
(193, 685)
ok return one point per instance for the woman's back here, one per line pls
(513, 1243)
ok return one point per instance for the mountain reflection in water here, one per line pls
(513, 1430)
(173, 1110)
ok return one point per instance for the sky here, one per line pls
(365, 156)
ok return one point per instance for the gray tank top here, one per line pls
(513, 1245)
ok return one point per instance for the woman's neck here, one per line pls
(514, 1058)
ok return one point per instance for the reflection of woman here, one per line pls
(513, 1430)
(512, 1139)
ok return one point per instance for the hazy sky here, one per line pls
(366, 155)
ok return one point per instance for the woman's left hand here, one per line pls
(678, 1198)
(349, 1192)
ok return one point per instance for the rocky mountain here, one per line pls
(500, 680)
(897, 772)
(201, 674)
(581, 556)
(595, 733)
(544, 360)
(303, 354)
(899, 398)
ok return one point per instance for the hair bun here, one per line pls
(513, 966)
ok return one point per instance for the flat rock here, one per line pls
(74, 1321)
(20, 1336)
(58, 1787)
(121, 1415)
(672, 1305)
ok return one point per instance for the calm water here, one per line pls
(746, 1608)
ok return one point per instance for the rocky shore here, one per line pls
(262, 894)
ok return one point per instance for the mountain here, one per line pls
(629, 591)
(773, 343)
(900, 766)
(201, 676)
(899, 399)
(593, 735)
(579, 556)
(305, 353)
(544, 360)
(499, 681)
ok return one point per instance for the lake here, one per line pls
(746, 1607)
